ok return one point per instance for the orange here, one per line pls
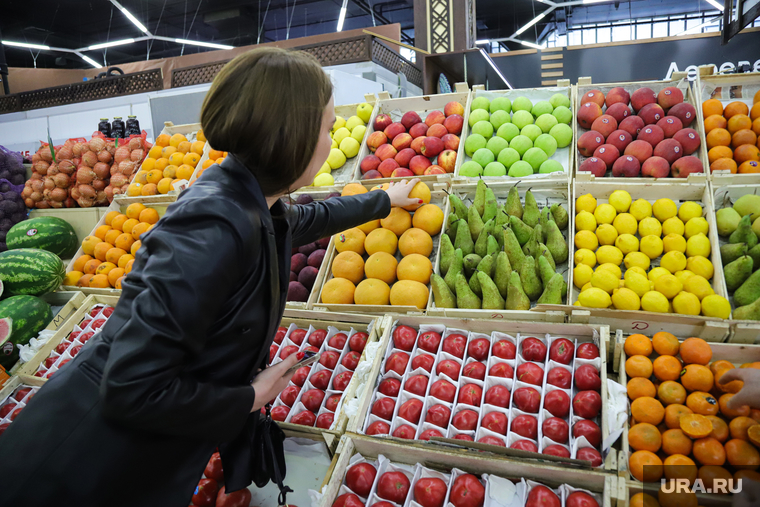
(755, 414)
(415, 267)
(191, 159)
(207, 163)
(756, 126)
(84, 280)
(644, 437)
(742, 455)
(381, 240)
(739, 427)
(643, 500)
(176, 139)
(124, 259)
(720, 428)
(112, 235)
(164, 186)
(748, 475)
(129, 224)
(338, 291)
(167, 152)
(702, 403)
(124, 241)
(110, 216)
(673, 414)
(753, 434)
(665, 344)
(743, 136)
(645, 466)
(429, 218)
(148, 215)
(184, 146)
(100, 282)
(155, 151)
(667, 368)
(168, 170)
(80, 262)
(348, 265)
(163, 140)
(215, 154)
(100, 232)
(200, 137)
(381, 265)
(735, 108)
(754, 113)
(749, 167)
(351, 189)
(755, 365)
(640, 386)
(129, 265)
(113, 254)
(155, 176)
(713, 122)
(708, 473)
(384, 186)
(397, 221)
(100, 250)
(731, 413)
(134, 189)
(746, 152)
(638, 366)
(648, 410)
(421, 192)
(184, 172)
(637, 344)
(350, 240)
(134, 210)
(719, 152)
(711, 107)
(718, 137)
(695, 351)
(696, 377)
(135, 246)
(148, 164)
(680, 466)
(138, 229)
(720, 364)
(89, 243)
(708, 451)
(71, 278)
(176, 158)
(410, 293)
(696, 426)
(117, 285)
(118, 221)
(670, 393)
(372, 292)
(90, 266)
(415, 241)
(105, 268)
(197, 147)
(675, 441)
(149, 189)
(162, 163)
(369, 226)
(724, 164)
(738, 122)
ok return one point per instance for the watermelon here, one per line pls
(47, 233)
(28, 316)
(29, 271)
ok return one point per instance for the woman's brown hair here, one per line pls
(265, 107)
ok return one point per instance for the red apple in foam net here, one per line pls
(631, 124)
(402, 172)
(375, 140)
(386, 151)
(588, 142)
(450, 142)
(437, 130)
(434, 169)
(418, 130)
(605, 125)
(593, 165)
(619, 111)
(418, 164)
(689, 139)
(685, 166)
(655, 167)
(409, 119)
(670, 125)
(387, 167)
(432, 146)
(370, 163)
(454, 124)
(447, 160)
(402, 141)
(434, 117)
(381, 122)
(394, 129)
(404, 156)
(453, 108)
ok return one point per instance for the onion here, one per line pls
(36, 196)
(104, 156)
(29, 202)
(74, 192)
(66, 166)
(85, 175)
(41, 167)
(58, 195)
(126, 167)
(124, 188)
(137, 155)
(65, 153)
(42, 205)
(49, 183)
(109, 192)
(122, 153)
(85, 202)
(87, 191)
(102, 198)
(37, 186)
(77, 150)
(115, 169)
(55, 204)
(135, 143)
(53, 170)
(61, 180)
(36, 176)
(97, 144)
(26, 192)
(102, 170)
(77, 161)
(89, 158)
(36, 158)
(69, 203)
(45, 154)
(98, 184)
(118, 179)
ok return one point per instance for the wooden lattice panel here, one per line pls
(197, 74)
(339, 52)
(385, 56)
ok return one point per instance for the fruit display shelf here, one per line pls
(424, 105)
(546, 193)
(629, 495)
(562, 155)
(411, 343)
(513, 483)
(736, 354)
(728, 88)
(714, 328)
(582, 90)
(14, 396)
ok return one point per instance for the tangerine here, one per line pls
(720, 428)
(739, 427)
(742, 455)
(696, 377)
(708, 451)
(675, 441)
(711, 107)
(743, 136)
(673, 414)
(381, 265)
(670, 392)
(746, 153)
(724, 164)
(695, 351)
(679, 466)
(749, 167)
(348, 265)
(637, 344)
(718, 137)
(719, 152)
(720, 364)
(753, 434)
(743, 410)
(643, 500)
(648, 410)
(735, 108)
(667, 368)
(645, 466)
(709, 473)
(714, 121)
(665, 344)
(702, 403)
(640, 386)
(750, 475)
(738, 122)
(638, 366)
(645, 437)
(696, 426)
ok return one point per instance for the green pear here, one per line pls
(442, 295)
(457, 266)
(736, 272)
(502, 219)
(491, 208)
(732, 251)
(457, 205)
(530, 212)
(530, 281)
(466, 298)
(463, 239)
(492, 248)
(481, 245)
(516, 298)
(521, 229)
(513, 206)
(556, 244)
(470, 264)
(544, 217)
(492, 299)
(560, 216)
(748, 312)
(748, 204)
(501, 275)
(544, 252)
(475, 223)
(727, 220)
(749, 291)
(744, 233)
(552, 294)
(474, 284)
(480, 197)
(754, 252)
(488, 265)
(513, 249)
(756, 227)
(532, 246)
(447, 254)
(451, 229)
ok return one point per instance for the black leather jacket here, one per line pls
(135, 416)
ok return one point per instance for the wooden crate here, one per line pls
(545, 191)
(565, 156)
(735, 353)
(727, 88)
(679, 80)
(582, 333)
(422, 105)
(650, 321)
(444, 460)
(439, 197)
(626, 490)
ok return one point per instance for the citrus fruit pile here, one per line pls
(663, 248)
(347, 137)
(732, 135)
(386, 261)
(680, 415)
(109, 252)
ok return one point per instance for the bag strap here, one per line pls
(278, 478)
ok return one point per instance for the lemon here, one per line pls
(637, 259)
(689, 210)
(626, 299)
(341, 134)
(354, 122)
(577, 303)
(333, 144)
(673, 242)
(716, 306)
(612, 268)
(350, 147)
(673, 261)
(324, 180)
(585, 202)
(700, 266)
(664, 209)
(686, 303)
(653, 301)
(336, 158)
(695, 226)
(637, 269)
(625, 223)
(627, 243)
(683, 275)
(656, 273)
(585, 221)
(609, 253)
(324, 169)
(585, 256)
(620, 200)
(606, 234)
(672, 225)
(641, 209)
(340, 122)
(604, 214)
(586, 287)
(586, 239)
(636, 282)
(698, 245)
(594, 298)
(650, 227)
(603, 279)
(651, 246)
(699, 286)
(582, 275)
(358, 132)
(668, 285)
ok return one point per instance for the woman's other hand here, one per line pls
(749, 394)
(272, 381)
(399, 193)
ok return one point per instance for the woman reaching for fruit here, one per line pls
(177, 370)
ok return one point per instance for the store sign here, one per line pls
(693, 70)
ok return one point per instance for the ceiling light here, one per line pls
(109, 44)
(131, 17)
(716, 4)
(531, 23)
(90, 61)
(204, 44)
(594, 1)
(342, 15)
(530, 44)
(482, 41)
(25, 45)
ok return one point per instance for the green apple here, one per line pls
(478, 115)
(521, 144)
(483, 157)
(563, 114)
(547, 143)
(559, 99)
(471, 169)
(350, 147)
(499, 118)
(495, 169)
(480, 103)
(541, 107)
(546, 122)
(535, 157)
(364, 111)
(483, 128)
(501, 104)
(341, 134)
(508, 156)
(522, 104)
(520, 169)
(508, 131)
(496, 144)
(551, 166)
(522, 118)
(531, 132)
(358, 132)
(353, 122)
(563, 134)
(473, 143)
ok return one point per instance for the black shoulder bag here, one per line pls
(268, 455)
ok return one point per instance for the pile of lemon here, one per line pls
(170, 160)
(644, 256)
(347, 136)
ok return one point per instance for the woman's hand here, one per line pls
(399, 193)
(271, 382)
(749, 394)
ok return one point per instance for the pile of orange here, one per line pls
(171, 159)
(733, 135)
(386, 261)
(108, 254)
(680, 416)
(214, 157)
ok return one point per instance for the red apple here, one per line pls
(417, 144)
(369, 163)
(555, 429)
(587, 378)
(402, 172)
(524, 445)
(402, 141)
(372, 175)
(434, 117)
(437, 130)
(655, 167)
(419, 163)
(404, 156)
(387, 167)
(451, 142)
(386, 151)
(587, 350)
(381, 122)
(434, 169)
(685, 166)
(432, 146)
(418, 130)
(394, 129)
(557, 402)
(453, 108)
(454, 124)
(375, 140)
(447, 159)
(409, 119)
(501, 370)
